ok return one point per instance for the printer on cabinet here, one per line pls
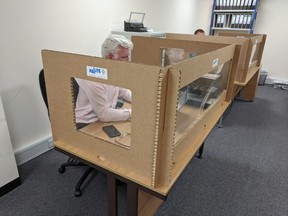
(135, 23)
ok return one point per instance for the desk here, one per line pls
(140, 200)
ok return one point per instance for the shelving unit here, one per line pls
(233, 15)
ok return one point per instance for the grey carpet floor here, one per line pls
(244, 171)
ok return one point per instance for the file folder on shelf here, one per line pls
(234, 15)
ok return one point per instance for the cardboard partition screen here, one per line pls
(254, 54)
(148, 50)
(149, 148)
(199, 81)
(135, 162)
(190, 115)
(248, 51)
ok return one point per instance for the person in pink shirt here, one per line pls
(97, 101)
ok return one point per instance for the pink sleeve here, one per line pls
(99, 95)
(125, 94)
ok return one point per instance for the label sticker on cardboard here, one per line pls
(215, 62)
(97, 72)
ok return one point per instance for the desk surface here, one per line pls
(124, 127)
(186, 117)
(95, 129)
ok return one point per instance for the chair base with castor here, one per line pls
(78, 191)
(72, 162)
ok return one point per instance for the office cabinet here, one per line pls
(9, 177)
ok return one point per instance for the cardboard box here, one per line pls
(248, 51)
(160, 140)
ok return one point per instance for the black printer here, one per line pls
(135, 23)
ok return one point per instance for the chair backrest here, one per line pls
(43, 88)
(44, 93)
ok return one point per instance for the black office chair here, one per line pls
(70, 161)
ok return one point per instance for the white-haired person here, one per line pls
(97, 101)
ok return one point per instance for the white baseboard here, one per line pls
(271, 80)
(33, 150)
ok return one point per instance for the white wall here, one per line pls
(271, 20)
(29, 26)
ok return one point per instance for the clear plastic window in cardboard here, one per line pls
(200, 95)
(255, 53)
(172, 56)
(102, 111)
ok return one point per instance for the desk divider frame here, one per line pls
(153, 161)
(246, 74)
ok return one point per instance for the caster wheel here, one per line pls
(120, 183)
(77, 193)
(199, 157)
(61, 170)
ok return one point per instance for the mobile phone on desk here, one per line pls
(111, 131)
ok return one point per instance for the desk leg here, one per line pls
(112, 195)
(200, 152)
(219, 124)
(132, 195)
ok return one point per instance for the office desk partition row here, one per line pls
(179, 89)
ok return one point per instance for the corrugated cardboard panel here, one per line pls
(254, 53)
(135, 163)
(241, 49)
(149, 50)
(180, 75)
(199, 65)
(191, 142)
(165, 152)
(207, 38)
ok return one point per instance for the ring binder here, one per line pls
(234, 15)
